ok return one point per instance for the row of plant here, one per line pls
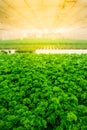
(43, 92)
(30, 45)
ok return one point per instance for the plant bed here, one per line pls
(43, 92)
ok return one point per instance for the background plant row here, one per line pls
(30, 45)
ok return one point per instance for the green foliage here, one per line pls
(30, 45)
(43, 92)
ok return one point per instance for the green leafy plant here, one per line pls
(43, 92)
